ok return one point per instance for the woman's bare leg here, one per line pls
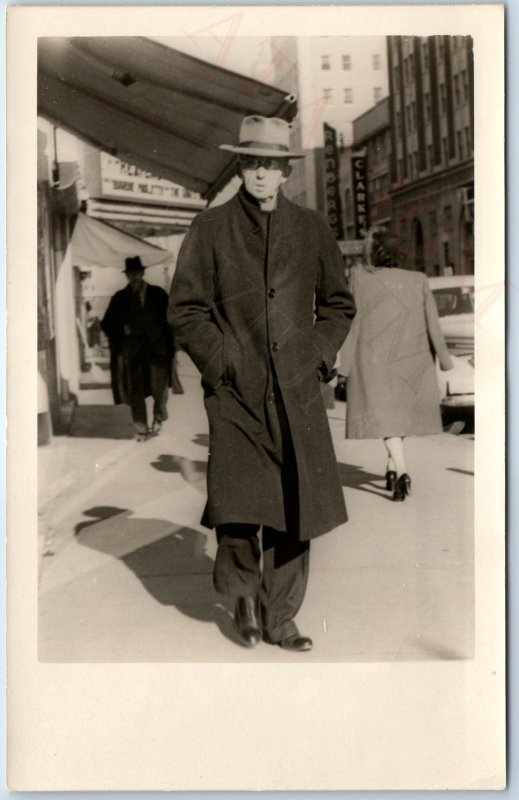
(395, 449)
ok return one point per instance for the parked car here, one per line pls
(454, 297)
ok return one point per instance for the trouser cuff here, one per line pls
(276, 635)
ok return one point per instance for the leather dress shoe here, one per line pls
(246, 620)
(296, 643)
(402, 488)
(390, 480)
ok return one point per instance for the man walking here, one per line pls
(141, 348)
(259, 302)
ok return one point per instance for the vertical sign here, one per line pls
(360, 209)
(331, 182)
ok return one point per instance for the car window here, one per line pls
(455, 300)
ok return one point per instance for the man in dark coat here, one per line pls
(260, 304)
(141, 347)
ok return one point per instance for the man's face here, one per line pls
(135, 279)
(262, 177)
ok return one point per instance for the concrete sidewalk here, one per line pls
(125, 567)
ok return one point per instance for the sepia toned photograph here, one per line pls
(352, 390)
(264, 480)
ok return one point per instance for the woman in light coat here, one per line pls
(392, 391)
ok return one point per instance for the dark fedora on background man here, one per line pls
(259, 302)
(141, 347)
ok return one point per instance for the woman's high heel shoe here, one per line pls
(390, 480)
(402, 487)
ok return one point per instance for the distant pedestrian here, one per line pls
(259, 302)
(141, 348)
(392, 391)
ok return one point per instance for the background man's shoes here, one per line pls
(296, 643)
(246, 620)
(156, 426)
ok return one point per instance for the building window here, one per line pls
(460, 145)
(413, 113)
(457, 94)
(399, 123)
(425, 55)
(443, 98)
(440, 48)
(408, 117)
(445, 150)
(346, 61)
(465, 82)
(430, 155)
(427, 104)
(327, 95)
(410, 162)
(468, 143)
(376, 61)
(348, 95)
(325, 62)
(415, 159)
(377, 93)
(447, 213)
(396, 78)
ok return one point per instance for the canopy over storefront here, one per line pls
(158, 108)
(99, 247)
(94, 243)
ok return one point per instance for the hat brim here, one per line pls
(135, 269)
(258, 151)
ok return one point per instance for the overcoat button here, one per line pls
(275, 347)
(255, 231)
(271, 397)
(272, 293)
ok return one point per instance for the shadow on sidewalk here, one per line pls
(169, 560)
(193, 472)
(358, 478)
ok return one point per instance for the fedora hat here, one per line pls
(263, 136)
(133, 264)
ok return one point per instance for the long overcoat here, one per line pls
(135, 331)
(260, 303)
(392, 388)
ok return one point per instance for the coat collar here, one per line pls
(253, 211)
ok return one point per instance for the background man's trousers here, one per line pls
(280, 585)
(144, 379)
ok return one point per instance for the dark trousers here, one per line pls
(144, 379)
(280, 585)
